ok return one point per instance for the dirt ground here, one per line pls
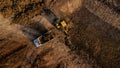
(91, 42)
(97, 38)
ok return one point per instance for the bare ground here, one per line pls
(91, 42)
(97, 38)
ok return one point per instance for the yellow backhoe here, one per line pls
(62, 25)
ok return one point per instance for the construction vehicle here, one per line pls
(44, 38)
(62, 25)
(57, 22)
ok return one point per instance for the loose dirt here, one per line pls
(90, 43)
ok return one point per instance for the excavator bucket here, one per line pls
(58, 26)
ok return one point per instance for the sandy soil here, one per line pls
(91, 42)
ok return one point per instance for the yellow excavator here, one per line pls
(62, 25)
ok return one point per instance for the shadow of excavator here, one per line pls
(34, 30)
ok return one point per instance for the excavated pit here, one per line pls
(93, 40)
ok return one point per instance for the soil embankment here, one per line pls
(92, 42)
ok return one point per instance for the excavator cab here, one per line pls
(63, 23)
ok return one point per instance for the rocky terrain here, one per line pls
(93, 39)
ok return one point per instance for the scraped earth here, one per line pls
(91, 42)
(54, 54)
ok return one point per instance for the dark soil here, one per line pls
(90, 43)
(97, 38)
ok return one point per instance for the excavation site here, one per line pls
(59, 33)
